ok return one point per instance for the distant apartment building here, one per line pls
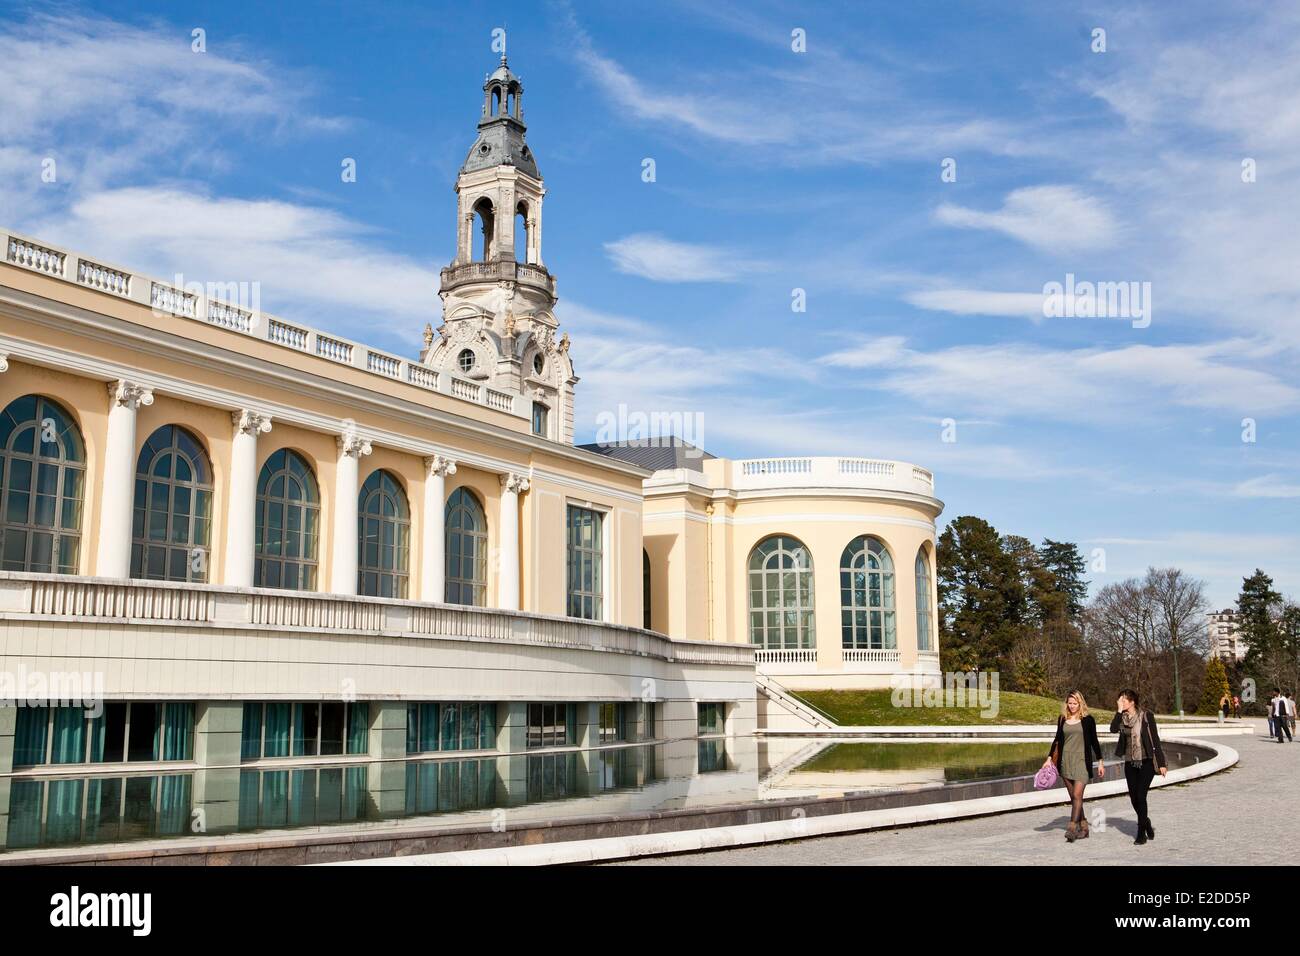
(1225, 635)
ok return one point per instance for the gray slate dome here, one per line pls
(501, 133)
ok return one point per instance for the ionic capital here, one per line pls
(514, 484)
(249, 422)
(129, 394)
(352, 443)
(439, 466)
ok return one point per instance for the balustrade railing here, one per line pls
(81, 600)
(162, 297)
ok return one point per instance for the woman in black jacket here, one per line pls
(1139, 745)
(1072, 751)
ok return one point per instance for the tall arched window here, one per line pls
(521, 232)
(466, 549)
(42, 481)
(924, 621)
(867, 595)
(645, 589)
(383, 538)
(780, 594)
(288, 524)
(172, 526)
(487, 225)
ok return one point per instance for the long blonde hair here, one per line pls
(1083, 705)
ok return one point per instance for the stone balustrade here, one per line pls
(89, 600)
(831, 473)
(166, 298)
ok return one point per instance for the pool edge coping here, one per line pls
(798, 828)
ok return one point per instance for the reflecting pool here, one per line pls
(44, 809)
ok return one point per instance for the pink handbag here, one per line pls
(1045, 779)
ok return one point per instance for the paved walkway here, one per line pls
(1243, 816)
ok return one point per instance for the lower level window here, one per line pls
(552, 725)
(123, 731)
(307, 729)
(450, 725)
(712, 718)
(613, 722)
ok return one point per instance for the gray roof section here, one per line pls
(657, 454)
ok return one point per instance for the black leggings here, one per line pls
(1075, 789)
(1139, 781)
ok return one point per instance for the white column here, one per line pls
(433, 549)
(352, 447)
(114, 557)
(512, 486)
(241, 507)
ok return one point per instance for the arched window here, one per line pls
(466, 549)
(521, 232)
(487, 224)
(288, 524)
(867, 595)
(645, 589)
(924, 622)
(172, 523)
(383, 538)
(780, 594)
(42, 481)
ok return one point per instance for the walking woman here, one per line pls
(1139, 745)
(1072, 751)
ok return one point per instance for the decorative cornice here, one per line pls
(514, 484)
(100, 326)
(129, 394)
(352, 443)
(4, 361)
(249, 422)
(439, 466)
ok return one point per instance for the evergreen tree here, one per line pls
(1063, 560)
(981, 598)
(1214, 687)
(1258, 610)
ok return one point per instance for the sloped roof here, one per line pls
(657, 454)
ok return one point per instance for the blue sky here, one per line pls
(775, 171)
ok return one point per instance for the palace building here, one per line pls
(254, 543)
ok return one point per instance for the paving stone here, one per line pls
(1245, 816)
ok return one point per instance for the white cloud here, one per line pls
(311, 263)
(1024, 305)
(1087, 384)
(1267, 486)
(666, 260)
(1048, 217)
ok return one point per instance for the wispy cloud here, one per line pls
(1087, 384)
(1268, 486)
(1049, 217)
(655, 257)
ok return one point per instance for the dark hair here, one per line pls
(1131, 694)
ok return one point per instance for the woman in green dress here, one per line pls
(1072, 751)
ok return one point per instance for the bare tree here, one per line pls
(1179, 603)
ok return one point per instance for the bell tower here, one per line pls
(498, 299)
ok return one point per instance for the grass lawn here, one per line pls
(864, 708)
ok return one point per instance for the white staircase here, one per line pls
(778, 709)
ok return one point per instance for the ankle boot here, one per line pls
(1071, 832)
(1083, 829)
